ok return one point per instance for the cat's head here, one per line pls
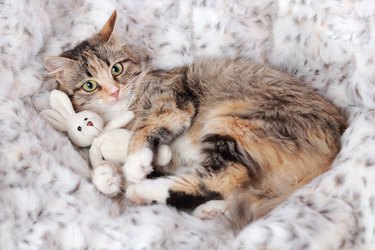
(100, 73)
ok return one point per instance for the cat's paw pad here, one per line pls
(211, 209)
(107, 180)
(149, 191)
(138, 165)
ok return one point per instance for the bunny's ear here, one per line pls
(56, 120)
(61, 103)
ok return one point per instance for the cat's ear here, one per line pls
(58, 65)
(108, 28)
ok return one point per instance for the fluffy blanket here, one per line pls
(46, 198)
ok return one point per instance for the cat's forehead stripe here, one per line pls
(88, 73)
(92, 64)
(103, 58)
(76, 53)
(86, 51)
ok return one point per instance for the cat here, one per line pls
(235, 127)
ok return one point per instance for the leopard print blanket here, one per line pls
(46, 198)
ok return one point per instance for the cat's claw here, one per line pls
(138, 166)
(107, 180)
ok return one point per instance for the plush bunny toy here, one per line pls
(109, 144)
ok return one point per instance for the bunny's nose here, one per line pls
(90, 123)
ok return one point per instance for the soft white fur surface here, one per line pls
(46, 198)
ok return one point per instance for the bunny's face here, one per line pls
(83, 127)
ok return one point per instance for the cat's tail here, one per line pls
(245, 208)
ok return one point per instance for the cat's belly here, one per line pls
(186, 155)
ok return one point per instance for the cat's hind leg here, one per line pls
(183, 192)
(190, 190)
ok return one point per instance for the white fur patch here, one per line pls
(107, 180)
(138, 165)
(149, 191)
(163, 156)
(187, 156)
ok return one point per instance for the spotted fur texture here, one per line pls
(43, 208)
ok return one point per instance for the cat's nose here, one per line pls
(115, 93)
(90, 124)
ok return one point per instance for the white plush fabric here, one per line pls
(46, 198)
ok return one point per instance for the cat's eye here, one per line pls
(79, 128)
(90, 86)
(117, 69)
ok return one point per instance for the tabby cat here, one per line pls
(234, 126)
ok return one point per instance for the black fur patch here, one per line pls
(221, 149)
(181, 200)
(155, 174)
(190, 93)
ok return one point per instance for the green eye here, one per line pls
(90, 86)
(116, 69)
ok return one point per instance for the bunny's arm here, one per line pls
(120, 121)
(96, 157)
(110, 146)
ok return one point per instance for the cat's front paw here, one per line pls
(149, 191)
(138, 166)
(107, 179)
